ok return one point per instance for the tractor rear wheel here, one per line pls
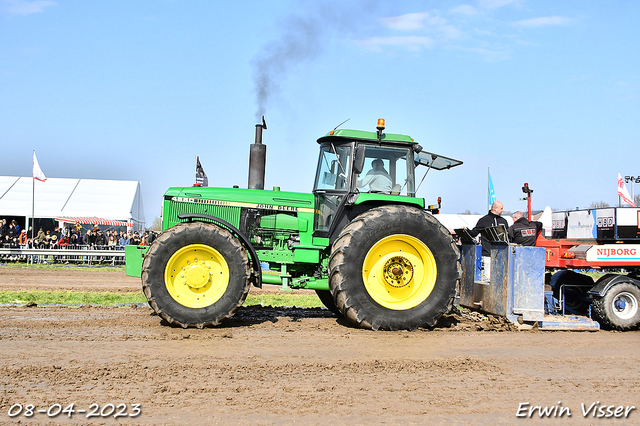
(196, 275)
(394, 267)
(619, 308)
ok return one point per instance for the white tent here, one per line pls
(454, 221)
(57, 197)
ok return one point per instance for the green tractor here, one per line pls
(362, 240)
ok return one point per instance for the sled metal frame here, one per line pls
(516, 287)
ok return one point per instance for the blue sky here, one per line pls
(544, 92)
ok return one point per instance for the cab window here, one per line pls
(333, 168)
(387, 171)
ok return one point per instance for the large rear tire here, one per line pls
(196, 275)
(394, 267)
(619, 308)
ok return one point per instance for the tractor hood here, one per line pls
(239, 197)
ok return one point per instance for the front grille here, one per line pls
(226, 213)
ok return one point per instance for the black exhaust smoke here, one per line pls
(258, 159)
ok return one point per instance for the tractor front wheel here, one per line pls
(326, 298)
(394, 267)
(196, 275)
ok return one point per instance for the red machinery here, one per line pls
(605, 240)
(572, 253)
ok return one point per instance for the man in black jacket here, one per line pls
(492, 218)
(101, 240)
(522, 231)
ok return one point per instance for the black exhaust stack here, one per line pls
(258, 159)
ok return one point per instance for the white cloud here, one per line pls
(450, 32)
(408, 22)
(464, 9)
(483, 37)
(423, 21)
(543, 22)
(25, 7)
(494, 4)
(413, 43)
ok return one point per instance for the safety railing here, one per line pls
(62, 254)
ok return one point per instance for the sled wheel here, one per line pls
(394, 267)
(574, 295)
(619, 307)
(195, 275)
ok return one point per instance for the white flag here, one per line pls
(37, 172)
(623, 193)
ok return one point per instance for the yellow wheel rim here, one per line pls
(196, 276)
(399, 272)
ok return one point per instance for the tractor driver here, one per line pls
(377, 178)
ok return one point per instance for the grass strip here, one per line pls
(111, 298)
(300, 300)
(70, 297)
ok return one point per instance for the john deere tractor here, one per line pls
(362, 240)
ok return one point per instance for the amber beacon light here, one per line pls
(380, 127)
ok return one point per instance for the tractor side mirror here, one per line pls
(358, 164)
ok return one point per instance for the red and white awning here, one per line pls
(94, 221)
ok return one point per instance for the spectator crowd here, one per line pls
(11, 236)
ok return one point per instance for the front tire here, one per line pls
(619, 308)
(326, 298)
(196, 275)
(394, 267)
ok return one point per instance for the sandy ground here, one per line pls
(295, 366)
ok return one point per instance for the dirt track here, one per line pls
(283, 366)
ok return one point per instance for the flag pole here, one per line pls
(33, 201)
(488, 190)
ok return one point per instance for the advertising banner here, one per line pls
(581, 224)
(614, 253)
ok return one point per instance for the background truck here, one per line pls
(549, 284)
(603, 240)
(378, 258)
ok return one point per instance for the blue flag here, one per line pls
(492, 194)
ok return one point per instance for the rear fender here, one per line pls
(255, 262)
(605, 283)
(355, 204)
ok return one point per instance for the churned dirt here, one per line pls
(282, 366)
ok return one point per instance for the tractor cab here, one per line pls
(353, 162)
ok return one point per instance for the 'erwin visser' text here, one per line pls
(595, 409)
